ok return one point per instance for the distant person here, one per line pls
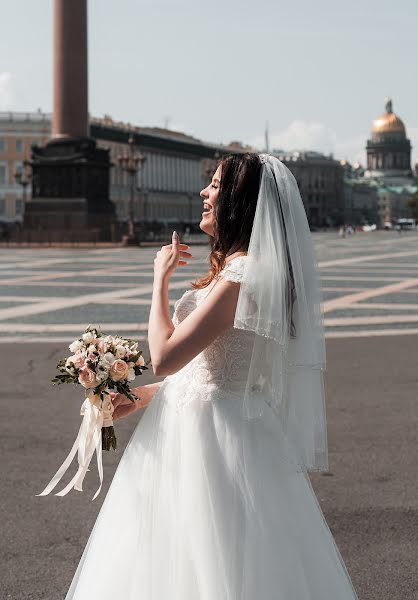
(211, 499)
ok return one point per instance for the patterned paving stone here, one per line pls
(369, 281)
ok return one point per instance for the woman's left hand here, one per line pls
(169, 257)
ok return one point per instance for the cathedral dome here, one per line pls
(388, 150)
(389, 122)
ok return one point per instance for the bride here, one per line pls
(211, 499)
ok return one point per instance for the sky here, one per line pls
(317, 72)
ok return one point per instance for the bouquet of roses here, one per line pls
(99, 363)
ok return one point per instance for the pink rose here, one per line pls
(102, 346)
(140, 362)
(87, 378)
(78, 359)
(92, 357)
(119, 370)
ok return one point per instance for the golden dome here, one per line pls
(388, 122)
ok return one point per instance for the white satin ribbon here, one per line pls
(96, 414)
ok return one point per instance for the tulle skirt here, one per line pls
(190, 515)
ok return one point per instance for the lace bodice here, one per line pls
(221, 368)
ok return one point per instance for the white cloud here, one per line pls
(312, 135)
(352, 149)
(302, 135)
(305, 135)
(6, 91)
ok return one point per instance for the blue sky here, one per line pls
(318, 72)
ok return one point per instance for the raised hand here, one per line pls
(169, 257)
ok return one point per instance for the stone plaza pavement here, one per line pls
(370, 495)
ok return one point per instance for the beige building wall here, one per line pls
(18, 131)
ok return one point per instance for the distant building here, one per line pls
(361, 200)
(320, 181)
(388, 149)
(18, 131)
(382, 193)
(177, 167)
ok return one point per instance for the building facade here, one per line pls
(18, 131)
(361, 200)
(382, 193)
(176, 167)
(388, 149)
(320, 181)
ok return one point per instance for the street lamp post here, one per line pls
(23, 176)
(131, 162)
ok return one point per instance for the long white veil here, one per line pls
(280, 300)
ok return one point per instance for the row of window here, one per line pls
(311, 180)
(388, 161)
(18, 145)
(19, 207)
(160, 210)
(170, 173)
(318, 199)
(7, 177)
(161, 172)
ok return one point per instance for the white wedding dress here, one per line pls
(175, 523)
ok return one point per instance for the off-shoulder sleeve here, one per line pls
(234, 270)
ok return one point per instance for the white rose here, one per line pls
(131, 375)
(92, 348)
(101, 374)
(75, 346)
(140, 362)
(88, 337)
(131, 364)
(108, 359)
(102, 365)
(120, 352)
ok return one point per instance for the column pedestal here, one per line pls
(70, 189)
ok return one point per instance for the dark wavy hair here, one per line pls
(234, 217)
(234, 210)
